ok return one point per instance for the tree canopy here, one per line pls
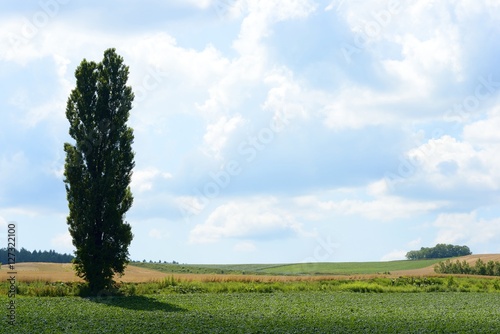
(438, 252)
(490, 268)
(98, 169)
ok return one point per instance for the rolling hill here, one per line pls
(145, 272)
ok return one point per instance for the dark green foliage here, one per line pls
(491, 268)
(301, 312)
(25, 255)
(98, 169)
(440, 251)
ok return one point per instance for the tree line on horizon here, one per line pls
(490, 268)
(439, 251)
(24, 255)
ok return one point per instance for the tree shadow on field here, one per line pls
(138, 303)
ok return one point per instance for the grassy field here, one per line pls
(330, 268)
(146, 272)
(300, 298)
(396, 268)
(348, 268)
(204, 284)
(302, 312)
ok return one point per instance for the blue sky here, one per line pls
(267, 131)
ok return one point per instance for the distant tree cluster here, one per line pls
(160, 261)
(25, 255)
(480, 268)
(438, 252)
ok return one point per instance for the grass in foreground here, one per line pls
(301, 312)
(266, 284)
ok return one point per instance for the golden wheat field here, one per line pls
(63, 272)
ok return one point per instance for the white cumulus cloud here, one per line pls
(246, 219)
(466, 228)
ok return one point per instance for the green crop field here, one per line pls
(207, 268)
(348, 268)
(306, 303)
(301, 312)
(330, 268)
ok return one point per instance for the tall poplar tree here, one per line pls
(98, 169)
